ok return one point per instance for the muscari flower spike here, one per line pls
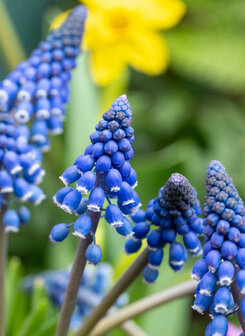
(224, 250)
(103, 173)
(38, 89)
(94, 285)
(176, 210)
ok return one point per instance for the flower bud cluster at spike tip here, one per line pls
(224, 249)
(104, 173)
(176, 210)
(38, 89)
(20, 173)
(94, 285)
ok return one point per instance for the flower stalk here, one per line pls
(120, 286)
(141, 306)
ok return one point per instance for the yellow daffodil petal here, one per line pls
(161, 14)
(57, 22)
(106, 64)
(148, 52)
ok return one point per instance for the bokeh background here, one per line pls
(193, 113)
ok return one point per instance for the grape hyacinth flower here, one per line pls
(103, 172)
(20, 173)
(222, 266)
(38, 89)
(176, 210)
(94, 285)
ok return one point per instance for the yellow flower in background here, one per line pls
(128, 32)
(121, 33)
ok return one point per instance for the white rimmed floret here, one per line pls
(40, 93)
(93, 207)
(45, 149)
(82, 190)
(153, 266)
(177, 263)
(66, 208)
(40, 199)
(128, 202)
(25, 197)
(220, 308)
(11, 228)
(6, 190)
(24, 95)
(226, 281)
(198, 309)
(79, 234)
(56, 202)
(22, 116)
(42, 114)
(33, 168)
(114, 189)
(15, 170)
(39, 137)
(205, 292)
(3, 96)
(56, 131)
(195, 277)
(116, 224)
(134, 185)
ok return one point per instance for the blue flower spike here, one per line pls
(224, 250)
(101, 182)
(37, 91)
(176, 210)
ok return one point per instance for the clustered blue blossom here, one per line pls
(176, 210)
(224, 250)
(94, 285)
(104, 173)
(37, 89)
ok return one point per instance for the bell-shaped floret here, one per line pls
(82, 226)
(58, 198)
(22, 189)
(155, 258)
(70, 175)
(125, 194)
(103, 164)
(226, 273)
(154, 239)
(71, 201)
(114, 215)
(177, 256)
(213, 260)
(199, 269)
(85, 163)
(24, 214)
(59, 232)
(229, 250)
(86, 182)
(126, 229)
(207, 284)
(192, 243)
(82, 207)
(150, 275)
(6, 182)
(96, 199)
(114, 180)
(218, 327)
(222, 300)
(11, 221)
(202, 303)
(93, 254)
(12, 162)
(241, 281)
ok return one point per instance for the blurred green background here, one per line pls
(192, 114)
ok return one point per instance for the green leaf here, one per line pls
(35, 319)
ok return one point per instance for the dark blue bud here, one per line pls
(117, 160)
(71, 201)
(118, 135)
(114, 180)
(241, 258)
(150, 275)
(114, 215)
(154, 239)
(222, 299)
(96, 199)
(208, 230)
(86, 182)
(126, 229)
(155, 258)
(234, 234)
(226, 273)
(141, 230)
(111, 147)
(125, 170)
(85, 163)
(213, 260)
(11, 221)
(59, 232)
(168, 235)
(24, 214)
(97, 150)
(95, 137)
(132, 246)
(217, 240)
(139, 216)
(199, 269)
(82, 226)
(223, 227)
(229, 250)
(128, 155)
(228, 214)
(124, 145)
(105, 135)
(197, 226)
(70, 175)
(237, 220)
(103, 164)
(93, 254)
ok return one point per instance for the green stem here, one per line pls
(120, 286)
(3, 257)
(141, 306)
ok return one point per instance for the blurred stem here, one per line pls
(76, 275)
(127, 278)
(3, 257)
(9, 40)
(141, 306)
(132, 329)
(238, 297)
